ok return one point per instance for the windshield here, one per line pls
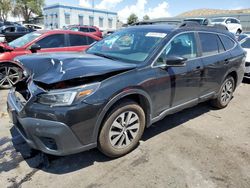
(128, 45)
(218, 20)
(24, 40)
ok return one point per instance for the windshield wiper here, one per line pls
(103, 55)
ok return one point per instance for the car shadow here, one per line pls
(71, 163)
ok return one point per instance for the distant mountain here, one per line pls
(207, 12)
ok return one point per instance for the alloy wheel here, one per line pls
(227, 92)
(8, 76)
(124, 129)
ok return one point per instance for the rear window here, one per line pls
(246, 43)
(84, 29)
(92, 30)
(210, 44)
(80, 40)
(227, 42)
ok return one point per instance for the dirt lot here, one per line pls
(198, 147)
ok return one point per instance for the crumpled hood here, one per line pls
(55, 67)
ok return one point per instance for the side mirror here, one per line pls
(35, 47)
(228, 21)
(176, 61)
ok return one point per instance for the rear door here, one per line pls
(53, 43)
(215, 60)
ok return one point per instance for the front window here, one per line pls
(24, 40)
(110, 23)
(91, 20)
(67, 19)
(52, 41)
(183, 45)
(100, 22)
(128, 45)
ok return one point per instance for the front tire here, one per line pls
(9, 76)
(122, 129)
(225, 94)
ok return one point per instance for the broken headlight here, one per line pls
(65, 97)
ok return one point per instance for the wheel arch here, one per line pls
(137, 95)
(2, 63)
(235, 77)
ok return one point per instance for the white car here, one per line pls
(245, 43)
(233, 25)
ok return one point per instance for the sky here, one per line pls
(154, 8)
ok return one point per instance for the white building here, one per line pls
(59, 16)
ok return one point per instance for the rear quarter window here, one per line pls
(227, 42)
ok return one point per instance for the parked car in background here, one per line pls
(245, 43)
(124, 83)
(7, 23)
(86, 29)
(33, 27)
(12, 32)
(241, 36)
(38, 42)
(201, 21)
(233, 25)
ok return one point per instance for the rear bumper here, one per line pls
(51, 137)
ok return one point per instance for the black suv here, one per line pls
(108, 95)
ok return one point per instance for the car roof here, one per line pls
(60, 31)
(170, 28)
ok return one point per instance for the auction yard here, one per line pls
(198, 147)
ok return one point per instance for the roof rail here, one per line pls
(196, 24)
(190, 24)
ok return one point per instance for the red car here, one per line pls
(87, 29)
(38, 41)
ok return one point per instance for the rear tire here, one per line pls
(225, 94)
(122, 129)
(9, 75)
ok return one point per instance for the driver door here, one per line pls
(185, 80)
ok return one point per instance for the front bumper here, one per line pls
(52, 137)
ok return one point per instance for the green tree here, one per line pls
(26, 8)
(5, 9)
(132, 19)
(146, 17)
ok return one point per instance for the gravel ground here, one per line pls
(198, 147)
